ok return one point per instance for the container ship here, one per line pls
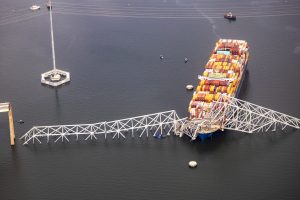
(223, 75)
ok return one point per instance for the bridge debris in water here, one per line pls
(135, 126)
(235, 114)
(230, 113)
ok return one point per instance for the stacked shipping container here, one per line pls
(222, 75)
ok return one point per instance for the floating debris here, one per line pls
(192, 164)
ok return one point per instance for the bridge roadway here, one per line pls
(225, 113)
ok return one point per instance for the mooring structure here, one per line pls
(6, 107)
(54, 77)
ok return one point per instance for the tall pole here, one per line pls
(52, 38)
(54, 77)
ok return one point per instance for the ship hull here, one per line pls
(210, 133)
(205, 136)
(242, 80)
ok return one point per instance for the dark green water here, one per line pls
(116, 73)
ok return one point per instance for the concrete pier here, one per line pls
(6, 107)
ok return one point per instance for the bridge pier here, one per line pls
(6, 107)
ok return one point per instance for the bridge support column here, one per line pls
(6, 107)
(11, 126)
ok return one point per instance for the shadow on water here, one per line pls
(218, 139)
(56, 96)
(273, 138)
(82, 143)
(57, 87)
(223, 139)
(244, 88)
(15, 159)
(57, 103)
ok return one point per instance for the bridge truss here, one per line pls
(225, 113)
(235, 114)
(155, 124)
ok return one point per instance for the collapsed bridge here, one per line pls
(226, 113)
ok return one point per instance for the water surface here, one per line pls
(116, 73)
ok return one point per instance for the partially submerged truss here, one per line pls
(226, 113)
(155, 124)
(235, 114)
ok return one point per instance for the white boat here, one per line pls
(189, 87)
(35, 7)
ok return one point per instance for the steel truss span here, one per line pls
(155, 124)
(235, 114)
(226, 113)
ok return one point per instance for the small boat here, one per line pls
(161, 57)
(185, 60)
(35, 7)
(229, 16)
(21, 121)
(189, 87)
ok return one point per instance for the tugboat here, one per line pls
(229, 16)
(35, 7)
